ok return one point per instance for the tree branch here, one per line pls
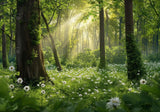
(7, 35)
(51, 17)
(154, 8)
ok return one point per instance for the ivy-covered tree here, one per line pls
(135, 67)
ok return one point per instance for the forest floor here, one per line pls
(80, 90)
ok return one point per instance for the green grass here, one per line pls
(77, 90)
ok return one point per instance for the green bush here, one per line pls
(85, 59)
(152, 58)
(49, 60)
(115, 55)
(145, 101)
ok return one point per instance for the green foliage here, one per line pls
(90, 58)
(4, 89)
(152, 58)
(83, 90)
(48, 56)
(85, 59)
(115, 55)
(22, 102)
(145, 101)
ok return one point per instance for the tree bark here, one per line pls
(4, 51)
(102, 43)
(29, 54)
(134, 61)
(107, 29)
(120, 30)
(11, 44)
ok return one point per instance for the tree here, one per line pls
(54, 50)
(4, 49)
(29, 54)
(102, 43)
(134, 61)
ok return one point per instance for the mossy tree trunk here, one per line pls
(29, 54)
(102, 43)
(135, 67)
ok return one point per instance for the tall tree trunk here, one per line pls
(120, 30)
(4, 54)
(11, 44)
(102, 43)
(116, 37)
(107, 29)
(29, 54)
(134, 62)
(157, 41)
(54, 50)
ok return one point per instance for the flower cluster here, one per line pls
(113, 103)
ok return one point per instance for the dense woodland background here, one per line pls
(79, 55)
(74, 26)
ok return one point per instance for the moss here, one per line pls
(34, 54)
(34, 26)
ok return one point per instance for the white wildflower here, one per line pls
(143, 81)
(129, 89)
(43, 91)
(43, 85)
(11, 68)
(20, 80)
(64, 82)
(123, 83)
(73, 79)
(11, 86)
(72, 98)
(26, 88)
(113, 103)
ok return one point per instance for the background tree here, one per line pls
(102, 41)
(4, 43)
